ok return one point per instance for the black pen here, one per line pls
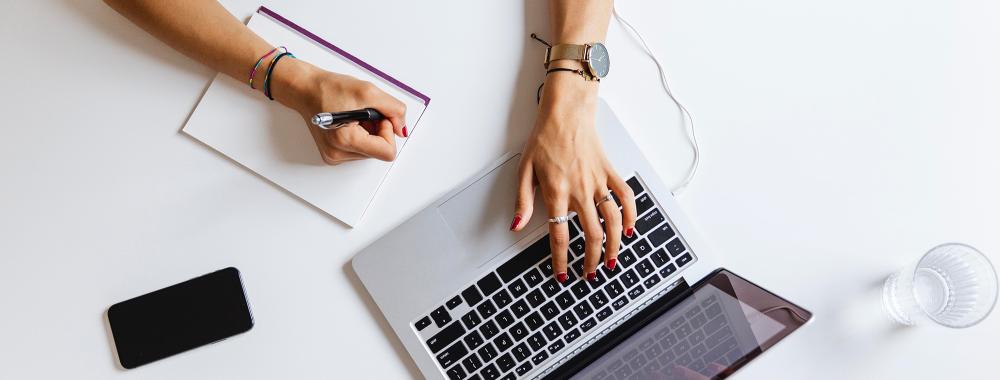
(334, 120)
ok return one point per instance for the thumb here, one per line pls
(525, 197)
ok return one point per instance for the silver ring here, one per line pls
(606, 198)
(559, 219)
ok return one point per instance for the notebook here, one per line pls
(274, 142)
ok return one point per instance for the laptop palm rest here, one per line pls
(478, 212)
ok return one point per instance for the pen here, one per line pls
(334, 120)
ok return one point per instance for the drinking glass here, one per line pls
(953, 285)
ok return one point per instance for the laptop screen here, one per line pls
(717, 328)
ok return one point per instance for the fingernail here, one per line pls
(407, 134)
(612, 263)
(517, 221)
(591, 276)
(561, 277)
(630, 231)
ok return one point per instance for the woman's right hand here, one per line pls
(310, 90)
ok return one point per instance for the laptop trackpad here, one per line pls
(480, 215)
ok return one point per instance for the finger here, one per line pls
(525, 202)
(355, 138)
(390, 107)
(593, 235)
(558, 236)
(624, 194)
(612, 230)
(336, 156)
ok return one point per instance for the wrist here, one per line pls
(568, 90)
(291, 81)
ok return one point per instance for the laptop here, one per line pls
(470, 299)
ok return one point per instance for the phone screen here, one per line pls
(180, 317)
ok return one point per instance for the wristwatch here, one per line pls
(593, 56)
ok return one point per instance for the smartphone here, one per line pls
(180, 317)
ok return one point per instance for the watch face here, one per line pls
(599, 63)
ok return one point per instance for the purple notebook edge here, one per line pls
(265, 11)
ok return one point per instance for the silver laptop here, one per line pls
(471, 300)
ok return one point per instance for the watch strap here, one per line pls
(565, 51)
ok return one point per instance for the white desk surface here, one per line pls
(840, 140)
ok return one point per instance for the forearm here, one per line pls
(573, 22)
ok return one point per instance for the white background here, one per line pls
(841, 140)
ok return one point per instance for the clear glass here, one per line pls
(953, 285)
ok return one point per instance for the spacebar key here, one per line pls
(524, 260)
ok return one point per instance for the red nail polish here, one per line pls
(612, 263)
(591, 276)
(630, 231)
(516, 222)
(407, 134)
(561, 277)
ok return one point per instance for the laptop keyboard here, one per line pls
(515, 318)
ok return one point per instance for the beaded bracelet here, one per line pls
(253, 71)
(267, 76)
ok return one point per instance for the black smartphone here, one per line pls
(180, 317)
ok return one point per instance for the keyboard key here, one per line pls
(551, 287)
(489, 329)
(565, 299)
(502, 298)
(422, 323)
(661, 234)
(471, 319)
(473, 340)
(571, 335)
(675, 247)
(668, 270)
(489, 284)
(534, 321)
(642, 248)
(588, 324)
(524, 260)
(517, 288)
(552, 330)
(472, 363)
(645, 268)
(540, 357)
(518, 331)
(684, 259)
(546, 268)
(488, 352)
(533, 277)
(454, 302)
(634, 184)
(520, 308)
(626, 259)
(573, 230)
(651, 281)
(567, 320)
(660, 257)
(445, 337)
(643, 203)
(626, 241)
(604, 314)
(583, 310)
(490, 372)
(523, 369)
(550, 310)
(486, 309)
(452, 354)
(537, 341)
(521, 351)
(456, 373)
(577, 247)
(472, 296)
(474, 377)
(649, 221)
(580, 289)
(506, 362)
(441, 316)
(505, 319)
(620, 303)
(556, 346)
(598, 299)
(636, 292)
(503, 342)
(599, 279)
(614, 288)
(629, 278)
(535, 297)
(577, 267)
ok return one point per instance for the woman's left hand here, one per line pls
(564, 157)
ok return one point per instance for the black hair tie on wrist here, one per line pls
(270, 69)
(538, 93)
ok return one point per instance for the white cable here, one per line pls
(692, 138)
